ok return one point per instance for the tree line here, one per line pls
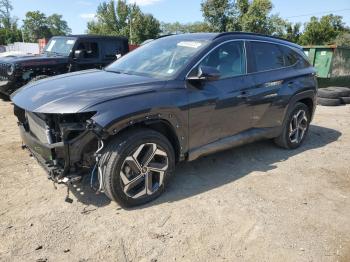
(36, 25)
(123, 19)
(219, 16)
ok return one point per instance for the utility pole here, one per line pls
(22, 35)
(130, 29)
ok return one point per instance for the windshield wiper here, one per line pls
(113, 71)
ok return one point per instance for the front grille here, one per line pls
(38, 127)
(3, 71)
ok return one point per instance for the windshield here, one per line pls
(60, 46)
(162, 58)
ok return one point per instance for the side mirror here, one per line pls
(206, 73)
(78, 54)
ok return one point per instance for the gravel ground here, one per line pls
(253, 203)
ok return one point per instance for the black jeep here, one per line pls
(176, 98)
(61, 55)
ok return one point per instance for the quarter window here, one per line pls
(228, 59)
(290, 57)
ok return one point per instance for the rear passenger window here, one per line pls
(90, 49)
(267, 56)
(111, 49)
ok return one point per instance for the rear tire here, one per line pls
(333, 92)
(137, 166)
(295, 128)
(329, 101)
(345, 100)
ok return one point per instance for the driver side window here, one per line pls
(228, 59)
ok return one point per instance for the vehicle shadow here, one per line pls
(206, 173)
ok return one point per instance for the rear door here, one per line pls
(272, 72)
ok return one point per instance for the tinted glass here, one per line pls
(290, 57)
(90, 49)
(267, 56)
(112, 48)
(228, 59)
(162, 58)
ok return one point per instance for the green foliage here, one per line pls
(108, 22)
(121, 18)
(343, 39)
(5, 13)
(57, 25)
(177, 28)
(145, 27)
(10, 35)
(322, 31)
(217, 13)
(243, 15)
(293, 32)
(9, 31)
(257, 18)
(36, 25)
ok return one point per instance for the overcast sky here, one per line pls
(78, 12)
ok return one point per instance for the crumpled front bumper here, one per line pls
(46, 154)
(58, 159)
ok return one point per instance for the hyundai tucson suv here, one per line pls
(173, 99)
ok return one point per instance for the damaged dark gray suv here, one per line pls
(176, 98)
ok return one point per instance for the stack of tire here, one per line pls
(333, 96)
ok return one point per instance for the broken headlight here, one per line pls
(10, 69)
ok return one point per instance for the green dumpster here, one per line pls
(332, 64)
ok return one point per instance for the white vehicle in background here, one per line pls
(19, 49)
(14, 54)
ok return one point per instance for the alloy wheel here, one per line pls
(143, 171)
(298, 126)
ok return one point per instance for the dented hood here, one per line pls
(75, 92)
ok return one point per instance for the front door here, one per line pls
(220, 108)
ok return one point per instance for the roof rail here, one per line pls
(250, 33)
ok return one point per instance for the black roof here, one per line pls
(96, 36)
(259, 36)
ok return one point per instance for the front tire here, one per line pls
(136, 167)
(295, 128)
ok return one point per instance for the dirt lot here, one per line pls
(253, 203)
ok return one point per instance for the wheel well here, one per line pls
(163, 127)
(309, 103)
